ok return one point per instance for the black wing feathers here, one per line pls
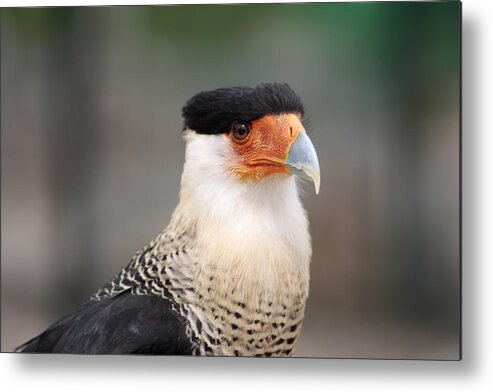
(124, 324)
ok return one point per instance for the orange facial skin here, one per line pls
(266, 148)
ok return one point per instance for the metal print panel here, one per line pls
(232, 180)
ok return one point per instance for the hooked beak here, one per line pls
(303, 161)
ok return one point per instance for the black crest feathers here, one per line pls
(213, 112)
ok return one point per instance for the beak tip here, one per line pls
(303, 160)
(314, 176)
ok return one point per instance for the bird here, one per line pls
(229, 275)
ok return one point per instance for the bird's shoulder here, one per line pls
(123, 324)
(157, 269)
(139, 311)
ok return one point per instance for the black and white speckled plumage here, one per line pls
(136, 312)
(161, 304)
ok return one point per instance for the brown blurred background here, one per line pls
(91, 155)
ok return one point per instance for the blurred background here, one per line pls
(91, 155)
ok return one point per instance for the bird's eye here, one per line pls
(240, 131)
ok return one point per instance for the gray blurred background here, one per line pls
(91, 155)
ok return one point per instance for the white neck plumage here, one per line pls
(257, 229)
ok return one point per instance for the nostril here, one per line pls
(291, 131)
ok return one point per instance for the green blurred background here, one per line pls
(91, 155)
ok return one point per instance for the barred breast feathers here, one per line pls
(252, 250)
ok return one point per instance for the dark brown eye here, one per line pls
(240, 131)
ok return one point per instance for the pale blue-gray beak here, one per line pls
(303, 161)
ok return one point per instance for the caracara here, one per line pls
(230, 273)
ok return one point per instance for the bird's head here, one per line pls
(251, 133)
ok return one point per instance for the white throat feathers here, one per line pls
(255, 230)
